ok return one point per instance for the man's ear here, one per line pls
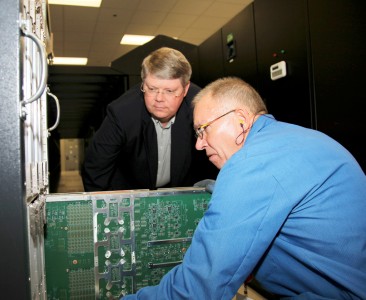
(186, 88)
(240, 113)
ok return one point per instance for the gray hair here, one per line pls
(167, 63)
(231, 93)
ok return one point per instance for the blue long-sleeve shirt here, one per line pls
(288, 207)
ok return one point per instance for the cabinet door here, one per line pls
(338, 46)
(281, 35)
(244, 62)
(211, 59)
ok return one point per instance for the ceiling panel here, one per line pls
(192, 7)
(157, 5)
(223, 9)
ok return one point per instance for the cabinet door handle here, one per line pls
(43, 60)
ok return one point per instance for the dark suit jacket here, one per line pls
(124, 155)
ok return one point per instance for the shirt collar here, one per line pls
(168, 125)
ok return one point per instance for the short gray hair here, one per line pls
(231, 92)
(167, 63)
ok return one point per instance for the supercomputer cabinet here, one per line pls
(24, 47)
(106, 245)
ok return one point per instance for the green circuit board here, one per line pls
(104, 246)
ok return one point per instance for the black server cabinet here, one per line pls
(281, 35)
(211, 64)
(14, 278)
(338, 45)
(230, 51)
(322, 43)
(243, 63)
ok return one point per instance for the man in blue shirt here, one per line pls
(288, 207)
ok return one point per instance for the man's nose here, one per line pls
(159, 95)
(200, 143)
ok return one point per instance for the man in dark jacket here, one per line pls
(147, 139)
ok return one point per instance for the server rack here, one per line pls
(24, 169)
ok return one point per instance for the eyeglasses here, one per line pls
(199, 131)
(153, 92)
